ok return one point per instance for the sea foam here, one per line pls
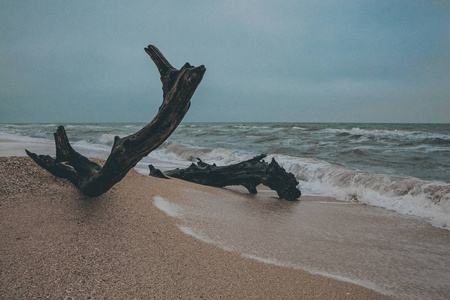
(171, 209)
(406, 195)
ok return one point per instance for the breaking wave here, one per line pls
(415, 136)
(406, 195)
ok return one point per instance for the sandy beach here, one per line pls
(345, 103)
(58, 244)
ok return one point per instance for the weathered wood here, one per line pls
(93, 180)
(249, 173)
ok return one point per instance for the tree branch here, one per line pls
(249, 173)
(93, 180)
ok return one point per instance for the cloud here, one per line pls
(265, 60)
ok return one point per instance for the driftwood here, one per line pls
(249, 173)
(178, 87)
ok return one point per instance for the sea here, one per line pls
(401, 167)
(389, 232)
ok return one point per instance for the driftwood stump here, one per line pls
(178, 87)
(249, 173)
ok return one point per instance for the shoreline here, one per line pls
(58, 243)
(388, 252)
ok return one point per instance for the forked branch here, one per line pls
(93, 180)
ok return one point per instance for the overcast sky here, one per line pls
(277, 61)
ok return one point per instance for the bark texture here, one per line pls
(249, 173)
(178, 87)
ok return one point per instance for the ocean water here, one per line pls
(401, 167)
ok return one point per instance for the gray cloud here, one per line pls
(83, 61)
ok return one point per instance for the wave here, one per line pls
(354, 152)
(220, 156)
(357, 132)
(299, 128)
(406, 195)
(22, 138)
(437, 141)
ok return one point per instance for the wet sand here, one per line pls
(56, 243)
(392, 253)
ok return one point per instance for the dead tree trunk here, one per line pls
(178, 87)
(249, 173)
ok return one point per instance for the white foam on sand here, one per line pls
(362, 283)
(177, 211)
(204, 238)
(191, 232)
(171, 209)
